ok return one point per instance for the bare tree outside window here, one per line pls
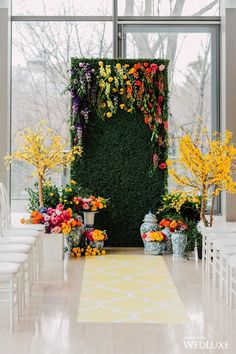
(41, 53)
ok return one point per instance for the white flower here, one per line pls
(162, 67)
(58, 212)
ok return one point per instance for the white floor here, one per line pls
(49, 325)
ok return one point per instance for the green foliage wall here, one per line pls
(117, 164)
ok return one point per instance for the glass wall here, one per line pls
(46, 34)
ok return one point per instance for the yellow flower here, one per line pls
(114, 90)
(70, 190)
(124, 77)
(129, 110)
(51, 194)
(126, 65)
(128, 83)
(109, 114)
(72, 182)
(122, 91)
(110, 79)
(104, 105)
(103, 252)
(132, 70)
(118, 66)
(122, 106)
(100, 63)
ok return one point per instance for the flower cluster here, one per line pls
(140, 87)
(173, 225)
(154, 236)
(56, 220)
(96, 235)
(90, 204)
(87, 251)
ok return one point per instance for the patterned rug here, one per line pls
(125, 288)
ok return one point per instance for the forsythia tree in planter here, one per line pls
(45, 151)
(208, 166)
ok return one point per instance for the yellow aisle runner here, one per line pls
(126, 288)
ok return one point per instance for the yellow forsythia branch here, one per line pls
(44, 150)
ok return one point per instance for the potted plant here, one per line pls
(154, 242)
(208, 166)
(178, 237)
(89, 206)
(96, 238)
(45, 151)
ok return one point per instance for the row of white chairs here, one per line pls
(21, 259)
(219, 260)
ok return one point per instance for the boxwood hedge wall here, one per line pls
(116, 164)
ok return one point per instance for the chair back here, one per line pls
(5, 213)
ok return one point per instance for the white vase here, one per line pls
(53, 247)
(89, 219)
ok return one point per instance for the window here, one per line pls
(168, 7)
(42, 47)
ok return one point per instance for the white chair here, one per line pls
(221, 249)
(208, 248)
(23, 249)
(19, 232)
(10, 278)
(22, 259)
(231, 280)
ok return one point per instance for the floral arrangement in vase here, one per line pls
(154, 236)
(154, 242)
(91, 203)
(58, 220)
(174, 225)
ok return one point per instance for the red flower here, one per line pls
(137, 66)
(162, 165)
(138, 83)
(148, 70)
(154, 67)
(165, 125)
(150, 90)
(145, 64)
(149, 105)
(160, 99)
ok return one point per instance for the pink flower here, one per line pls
(60, 207)
(56, 230)
(85, 206)
(162, 67)
(144, 236)
(87, 200)
(155, 159)
(162, 165)
(165, 125)
(154, 67)
(55, 220)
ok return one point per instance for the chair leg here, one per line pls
(12, 305)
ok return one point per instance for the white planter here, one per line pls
(53, 247)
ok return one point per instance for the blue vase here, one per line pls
(154, 248)
(167, 233)
(75, 238)
(179, 241)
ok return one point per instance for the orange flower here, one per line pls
(173, 224)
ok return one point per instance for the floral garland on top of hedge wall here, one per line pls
(108, 85)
